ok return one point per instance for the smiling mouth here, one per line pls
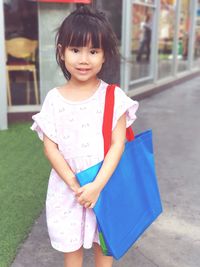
(82, 69)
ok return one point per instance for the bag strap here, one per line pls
(108, 118)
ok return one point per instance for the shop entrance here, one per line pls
(21, 45)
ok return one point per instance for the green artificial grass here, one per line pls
(24, 173)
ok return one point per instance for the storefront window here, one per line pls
(197, 38)
(21, 42)
(166, 38)
(183, 37)
(141, 41)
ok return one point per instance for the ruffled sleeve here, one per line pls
(124, 104)
(44, 121)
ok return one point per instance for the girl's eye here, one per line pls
(75, 50)
(93, 52)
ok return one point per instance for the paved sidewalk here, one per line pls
(174, 239)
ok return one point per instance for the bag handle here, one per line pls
(108, 118)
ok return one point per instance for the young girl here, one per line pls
(70, 125)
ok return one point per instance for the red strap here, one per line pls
(108, 118)
(129, 134)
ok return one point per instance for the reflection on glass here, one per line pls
(21, 41)
(166, 38)
(197, 38)
(141, 41)
(184, 28)
(144, 39)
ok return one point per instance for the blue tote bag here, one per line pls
(130, 201)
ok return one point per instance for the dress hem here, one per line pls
(72, 250)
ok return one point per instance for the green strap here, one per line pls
(103, 244)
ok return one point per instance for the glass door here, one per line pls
(138, 45)
(21, 45)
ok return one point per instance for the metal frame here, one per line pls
(143, 79)
(154, 48)
(126, 44)
(176, 40)
(143, 4)
(3, 93)
(193, 16)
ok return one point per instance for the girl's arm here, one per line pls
(59, 163)
(88, 194)
(114, 154)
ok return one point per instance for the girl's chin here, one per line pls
(83, 78)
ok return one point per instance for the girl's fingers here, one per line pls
(77, 194)
(79, 191)
(82, 202)
(91, 206)
(87, 204)
(81, 199)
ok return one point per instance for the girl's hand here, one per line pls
(88, 194)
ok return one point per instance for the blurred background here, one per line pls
(159, 41)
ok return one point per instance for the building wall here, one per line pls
(50, 17)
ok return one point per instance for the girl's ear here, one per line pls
(60, 51)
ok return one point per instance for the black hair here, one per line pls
(85, 25)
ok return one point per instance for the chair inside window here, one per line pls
(23, 50)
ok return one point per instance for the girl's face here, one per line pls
(83, 63)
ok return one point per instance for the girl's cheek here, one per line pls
(98, 58)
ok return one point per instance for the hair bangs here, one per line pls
(84, 35)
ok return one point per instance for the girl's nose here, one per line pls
(83, 59)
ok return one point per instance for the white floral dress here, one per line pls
(76, 127)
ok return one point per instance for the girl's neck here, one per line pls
(84, 85)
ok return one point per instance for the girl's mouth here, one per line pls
(83, 70)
